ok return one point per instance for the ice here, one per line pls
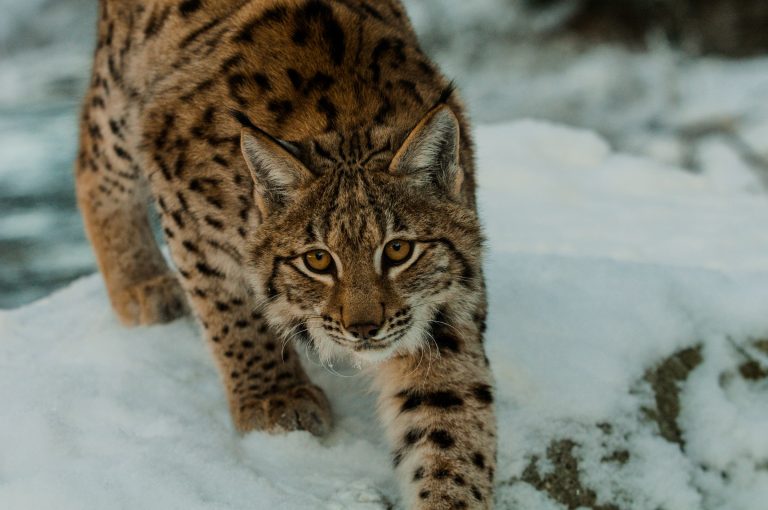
(600, 267)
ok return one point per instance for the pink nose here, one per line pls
(363, 331)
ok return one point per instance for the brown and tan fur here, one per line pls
(263, 129)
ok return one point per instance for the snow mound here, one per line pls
(627, 337)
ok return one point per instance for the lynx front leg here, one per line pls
(439, 417)
(266, 386)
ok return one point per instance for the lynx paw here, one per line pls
(299, 408)
(153, 301)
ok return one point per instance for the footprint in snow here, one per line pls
(359, 495)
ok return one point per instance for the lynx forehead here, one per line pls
(315, 180)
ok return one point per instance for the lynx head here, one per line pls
(361, 247)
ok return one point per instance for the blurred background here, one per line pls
(681, 81)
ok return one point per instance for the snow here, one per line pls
(600, 266)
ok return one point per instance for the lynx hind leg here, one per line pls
(112, 197)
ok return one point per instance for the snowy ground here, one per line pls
(628, 304)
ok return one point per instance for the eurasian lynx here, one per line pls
(315, 179)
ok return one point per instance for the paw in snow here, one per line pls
(303, 407)
(154, 301)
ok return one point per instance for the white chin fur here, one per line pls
(415, 341)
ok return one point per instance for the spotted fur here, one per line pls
(262, 130)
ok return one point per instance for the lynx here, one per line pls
(314, 176)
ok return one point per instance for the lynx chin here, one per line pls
(314, 175)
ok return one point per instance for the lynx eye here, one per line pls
(397, 251)
(319, 261)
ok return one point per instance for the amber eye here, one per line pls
(398, 251)
(319, 261)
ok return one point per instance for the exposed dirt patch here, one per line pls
(620, 457)
(665, 381)
(762, 345)
(563, 483)
(753, 371)
(754, 367)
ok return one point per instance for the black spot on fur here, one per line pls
(441, 438)
(296, 79)
(441, 474)
(235, 83)
(187, 7)
(418, 474)
(478, 459)
(483, 393)
(410, 89)
(442, 399)
(271, 15)
(281, 108)
(155, 23)
(383, 111)
(412, 401)
(262, 81)
(318, 12)
(327, 108)
(207, 270)
(244, 120)
(439, 399)
(190, 246)
(373, 12)
(122, 153)
(413, 436)
(378, 51)
(320, 81)
(213, 222)
(447, 342)
(220, 161)
(115, 128)
(176, 215)
(230, 63)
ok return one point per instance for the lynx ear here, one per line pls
(430, 154)
(274, 168)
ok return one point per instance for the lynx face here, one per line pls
(359, 262)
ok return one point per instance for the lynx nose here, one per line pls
(363, 331)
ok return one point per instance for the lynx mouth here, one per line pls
(376, 346)
(360, 345)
